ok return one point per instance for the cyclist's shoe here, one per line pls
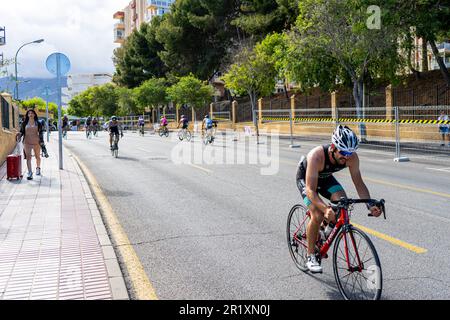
(30, 175)
(313, 265)
(38, 171)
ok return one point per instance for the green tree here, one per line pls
(190, 91)
(337, 31)
(196, 36)
(126, 102)
(253, 74)
(138, 58)
(151, 93)
(261, 17)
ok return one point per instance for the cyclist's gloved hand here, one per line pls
(375, 211)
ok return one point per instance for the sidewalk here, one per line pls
(53, 243)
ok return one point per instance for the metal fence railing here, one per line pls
(406, 132)
(244, 112)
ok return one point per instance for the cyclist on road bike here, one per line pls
(141, 123)
(184, 122)
(208, 124)
(163, 123)
(113, 127)
(88, 124)
(65, 123)
(315, 176)
(95, 124)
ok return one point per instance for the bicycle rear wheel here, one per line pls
(296, 235)
(180, 135)
(188, 135)
(356, 266)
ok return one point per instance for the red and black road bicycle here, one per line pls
(356, 265)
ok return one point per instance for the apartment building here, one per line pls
(136, 13)
(77, 83)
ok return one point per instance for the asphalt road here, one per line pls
(217, 231)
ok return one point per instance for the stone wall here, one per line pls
(8, 136)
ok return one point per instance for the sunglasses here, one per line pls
(345, 153)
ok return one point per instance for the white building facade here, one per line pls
(77, 83)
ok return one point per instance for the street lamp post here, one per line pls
(15, 62)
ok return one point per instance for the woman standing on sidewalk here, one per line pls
(32, 133)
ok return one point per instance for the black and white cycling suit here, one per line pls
(327, 184)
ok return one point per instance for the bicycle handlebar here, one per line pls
(345, 202)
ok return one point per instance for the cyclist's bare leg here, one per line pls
(312, 230)
(110, 139)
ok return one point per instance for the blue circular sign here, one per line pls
(52, 63)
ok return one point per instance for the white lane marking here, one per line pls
(200, 168)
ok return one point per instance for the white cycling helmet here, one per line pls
(345, 139)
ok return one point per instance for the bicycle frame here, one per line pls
(342, 222)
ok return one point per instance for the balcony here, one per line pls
(119, 15)
(119, 25)
(2, 36)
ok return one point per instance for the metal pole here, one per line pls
(58, 77)
(292, 145)
(398, 158)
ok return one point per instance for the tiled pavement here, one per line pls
(53, 243)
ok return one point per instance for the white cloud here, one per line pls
(81, 29)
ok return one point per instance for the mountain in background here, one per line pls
(34, 88)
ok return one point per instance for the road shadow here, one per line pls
(128, 159)
(117, 193)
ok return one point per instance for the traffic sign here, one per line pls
(52, 63)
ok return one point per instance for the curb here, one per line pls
(142, 288)
(116, 280)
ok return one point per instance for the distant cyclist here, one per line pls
(315, 176)
(65, 124)
(95, 125)
(184, 122)
(113, 127)
(164, 123)
(207, 126)
(141, 123)
(88, 125)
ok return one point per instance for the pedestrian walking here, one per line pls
(444, 128)
(32, 133)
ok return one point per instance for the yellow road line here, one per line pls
(441, 194)
(141, 284)
(392, 240)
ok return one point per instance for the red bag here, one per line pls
(14, 165)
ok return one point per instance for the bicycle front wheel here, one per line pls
(188, 135)
(297, 222)
(356, 266)
(180, 135)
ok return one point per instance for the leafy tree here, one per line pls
(196, 36)
(337, 31)
(426, 19)
(152, 93)
(41, 105)
(253, 74)
(190, 91)
(261, 17)
(126, 102)
(138, 58)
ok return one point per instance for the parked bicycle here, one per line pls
(184, 134)
(115, 146)
(357, 268)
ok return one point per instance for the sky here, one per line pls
(80, 29)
